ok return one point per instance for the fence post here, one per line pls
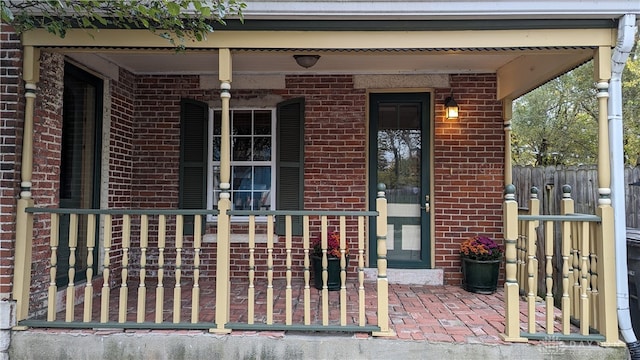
(383, 281)
(511, 287)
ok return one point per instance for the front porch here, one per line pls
(198, 233)
(441, 321)
(154, 277)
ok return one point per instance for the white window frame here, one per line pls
(212, 164)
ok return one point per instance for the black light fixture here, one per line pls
(306, 61)
(450, 108)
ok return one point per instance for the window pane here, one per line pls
(262, 123)
(241, 123)
(262, 148)
(241, 149)
(217, 121)
(262, 185)
(216, 148)
(241, 195)
(216, 186)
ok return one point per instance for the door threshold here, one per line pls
(409, 276)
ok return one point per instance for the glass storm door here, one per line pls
(399, 158)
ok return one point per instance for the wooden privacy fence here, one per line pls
(584, 184)
(575, 299)
(162, 286)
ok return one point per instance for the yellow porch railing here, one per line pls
(555, 266)
(152, 274)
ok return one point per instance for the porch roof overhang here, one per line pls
(523, 54)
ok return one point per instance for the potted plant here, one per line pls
(334, 255)
(481, 257)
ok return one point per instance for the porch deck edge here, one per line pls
(34, 344)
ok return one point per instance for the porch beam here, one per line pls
(471, 39)
(24, 220)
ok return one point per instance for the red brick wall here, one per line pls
(335, 141)
(11, 116)
(47, 135)
(121, 141)
(145, 140)
(469, 169)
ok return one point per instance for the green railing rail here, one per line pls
(145, 272)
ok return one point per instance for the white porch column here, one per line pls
(24, 221)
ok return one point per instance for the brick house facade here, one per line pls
(106, 136)
(143, 115)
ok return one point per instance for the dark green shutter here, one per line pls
(290, 162)
(194, 116)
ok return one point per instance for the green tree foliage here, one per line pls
(557, 123)
(175, 20)
(631, 108)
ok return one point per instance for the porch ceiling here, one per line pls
(532, 67)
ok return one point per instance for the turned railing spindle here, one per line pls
(361, 293)
(73, 243)
(124, 273)
(251, 295)
(162, 231)
(106, 289)
(53, 289)
(88, 288)
(142, 290)
(270, 270)
(307, 276)
(288, 291)
(195, 291)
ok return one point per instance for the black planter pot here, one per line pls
(333, 272)
(480, 276)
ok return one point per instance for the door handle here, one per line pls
(427, 207)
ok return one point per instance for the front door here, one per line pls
(399, 158)
(79, 167)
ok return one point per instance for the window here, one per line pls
(258, 166)
(252, 159)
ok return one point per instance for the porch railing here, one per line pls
(556, 267)
(152, 276)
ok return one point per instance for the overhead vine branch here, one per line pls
(177, 21)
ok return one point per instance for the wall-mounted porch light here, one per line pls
(306, 61)
(450, 108)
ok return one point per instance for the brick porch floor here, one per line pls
(417, 312)
(428, 321)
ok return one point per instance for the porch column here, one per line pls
(223, 283)
(507, 113)
(605, 250)
(24, 221)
